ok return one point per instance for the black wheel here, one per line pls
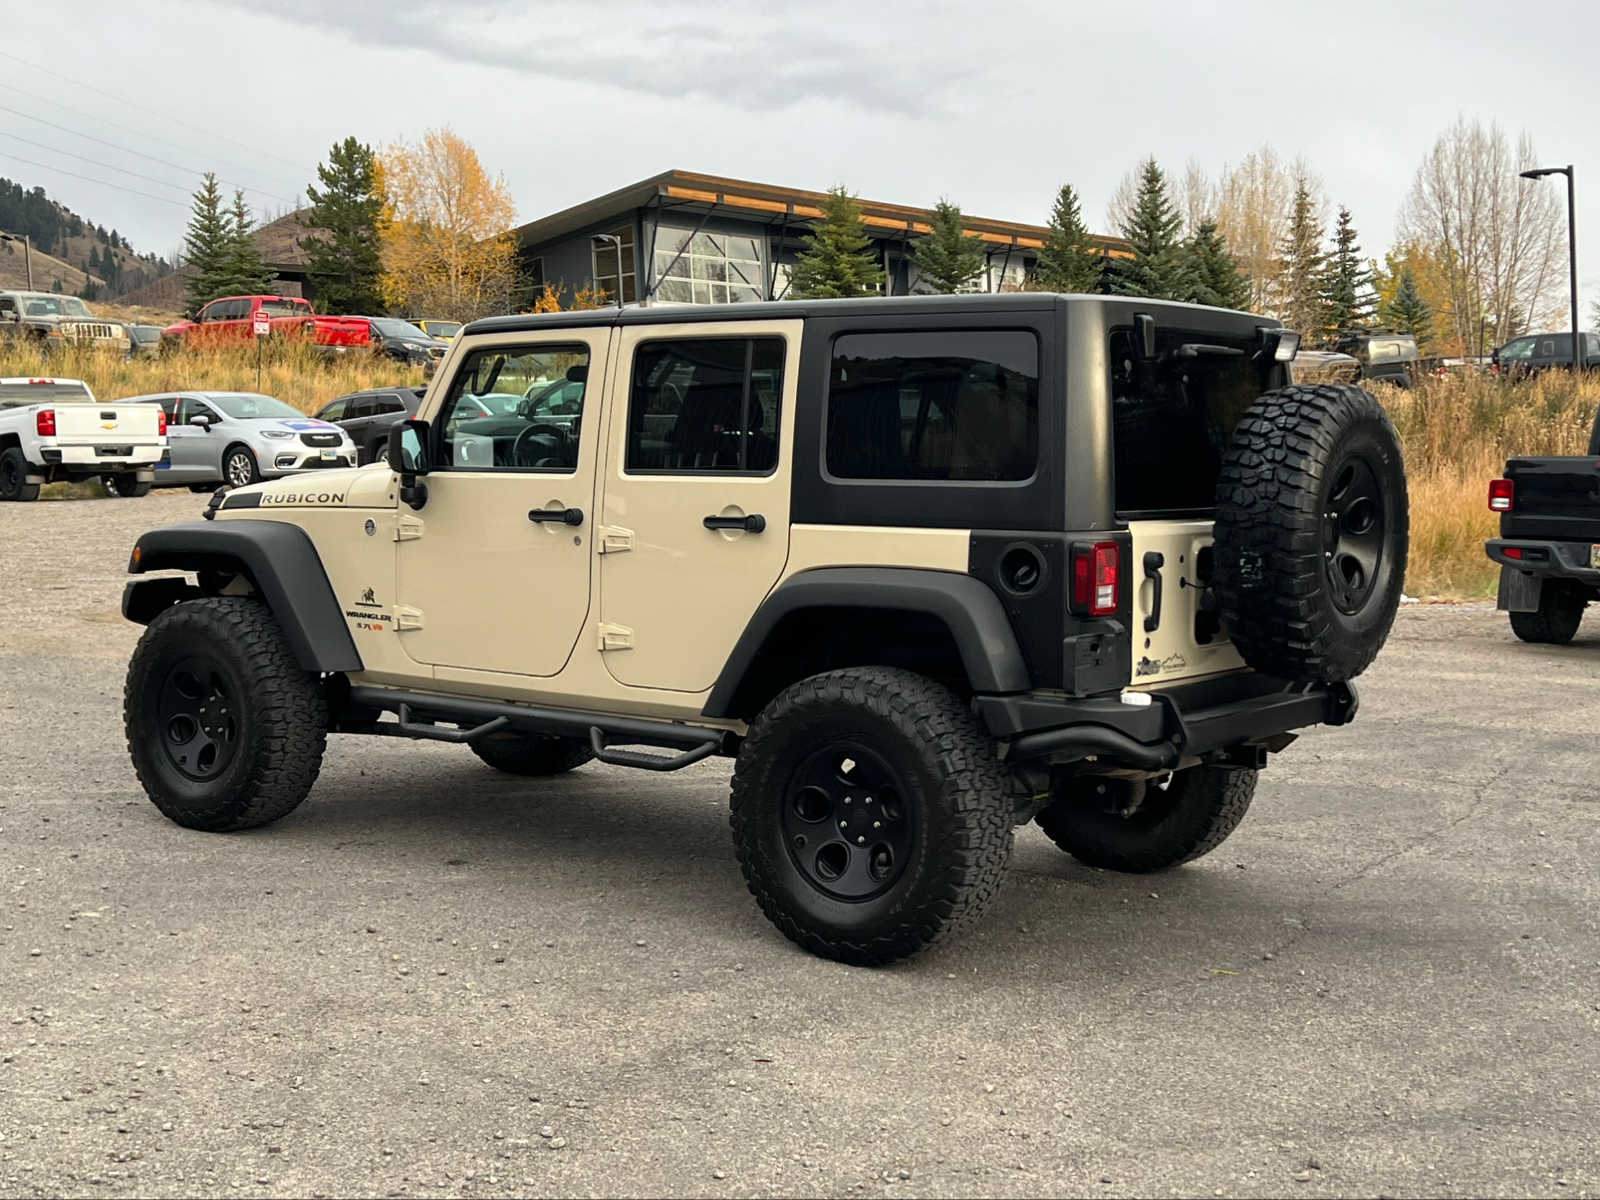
(1140, 827)
(869, 814)
(126, 486)
(207, 488)
(239, 467)
(1556, 621)
(1311, 532)
(14, 483)
(225, 730)
(531, 753)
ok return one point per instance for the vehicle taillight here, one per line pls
(1501, 493)
(45, 422)
(1511, 551)
(1096, 571)
(161, 422)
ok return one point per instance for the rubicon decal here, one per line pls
(292, 498)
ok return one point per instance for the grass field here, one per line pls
(1457, 432)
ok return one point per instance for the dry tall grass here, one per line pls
(295, 373)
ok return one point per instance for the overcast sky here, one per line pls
(993, 105)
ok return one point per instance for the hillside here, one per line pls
(71, 252)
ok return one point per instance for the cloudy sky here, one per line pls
(992, 104)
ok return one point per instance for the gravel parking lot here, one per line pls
(433, 979)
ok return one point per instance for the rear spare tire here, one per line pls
(1311, 532)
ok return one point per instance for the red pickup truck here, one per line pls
(231, 320)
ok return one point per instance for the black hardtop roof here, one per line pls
(877, 306)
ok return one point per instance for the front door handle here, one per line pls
(567, 516)
(754, 523)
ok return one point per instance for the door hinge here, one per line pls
(615, 637)
(614, 539)
(408, 528)
(407, 618)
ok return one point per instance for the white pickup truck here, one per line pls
(54, 429)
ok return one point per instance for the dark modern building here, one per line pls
(700, 239)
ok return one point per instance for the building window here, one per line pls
(708, 268)
(605, 274)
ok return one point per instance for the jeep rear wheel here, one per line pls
(1559, 614)
(1140, 827)
(225, 729)
(14, 483)
(1311, 532)
(869, 814)
(531, 753)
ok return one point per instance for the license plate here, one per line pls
(329, 456)
(1594, 556)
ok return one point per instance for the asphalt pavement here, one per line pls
(435, 980)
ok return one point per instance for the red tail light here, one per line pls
(161, 422)
(1501, 494)
(1511, 551)
(1096, 572)
(45, 422)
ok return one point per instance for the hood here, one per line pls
(371, 486)
(298, 424)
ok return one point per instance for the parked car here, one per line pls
(230, 320)
(1383, 357)
(146, 340)
(1535, 352)
(443, 330)
(56, 320)
(54, 429)
(1324, 366)
(927, 568)
(368, 416)
(403, 341)
(239, 438)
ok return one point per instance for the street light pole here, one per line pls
(27, 252)
(1572, 251)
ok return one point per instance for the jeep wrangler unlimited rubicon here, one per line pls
(924, 568)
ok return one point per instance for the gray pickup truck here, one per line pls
(56, 320)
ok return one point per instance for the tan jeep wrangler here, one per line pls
(924, 568)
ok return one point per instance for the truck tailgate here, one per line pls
(1556, 498)
(107, 424)
(340, 331)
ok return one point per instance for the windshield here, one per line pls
(396, 328)
(285, 307)
(15, 393)
(444, 329)
(246, 406)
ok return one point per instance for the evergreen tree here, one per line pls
(345, 262)
(1158, 268)
(1347, 295)
(836, 259)
(948, 261)
(207, 243)
(1071, 259)
(247, 274)
(1301, 265)
(1408, 312)
(1214, 276)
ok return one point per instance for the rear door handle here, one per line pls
(754, 523)
(567, 516)
(1154, 560)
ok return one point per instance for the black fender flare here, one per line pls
(967, 606)
(280, 562)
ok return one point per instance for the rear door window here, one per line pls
(704, 405)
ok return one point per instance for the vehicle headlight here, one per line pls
(276, 433)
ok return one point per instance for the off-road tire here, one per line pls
(1192, 816)
(1556, 621)
(949, 788)
(1277, 541)
(207, 488)
(228, 456)
(125, 486)
(531, 753)
(280, 710)
(14, 483)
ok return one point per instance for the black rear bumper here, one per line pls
(1525, 563)
(1234, 712)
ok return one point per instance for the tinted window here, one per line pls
(701, 405)
(282, 306)
(387, 403)
(8, 306)
(954, 405)
(487, 422)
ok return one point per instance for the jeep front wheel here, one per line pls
(869, 814)
(1138, 826)
(225, 729)
(531, 753)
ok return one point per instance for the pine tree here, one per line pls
(947, 260)
(207, 243)
(1071, 259)
(247, 274)
(836, 258)
(1214, 276)
(1158, 268)
(1408, 312)
(1347, 295)
(345, 262)
(1301, 264)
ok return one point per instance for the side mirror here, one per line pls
(202, 421)
(408, 457)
